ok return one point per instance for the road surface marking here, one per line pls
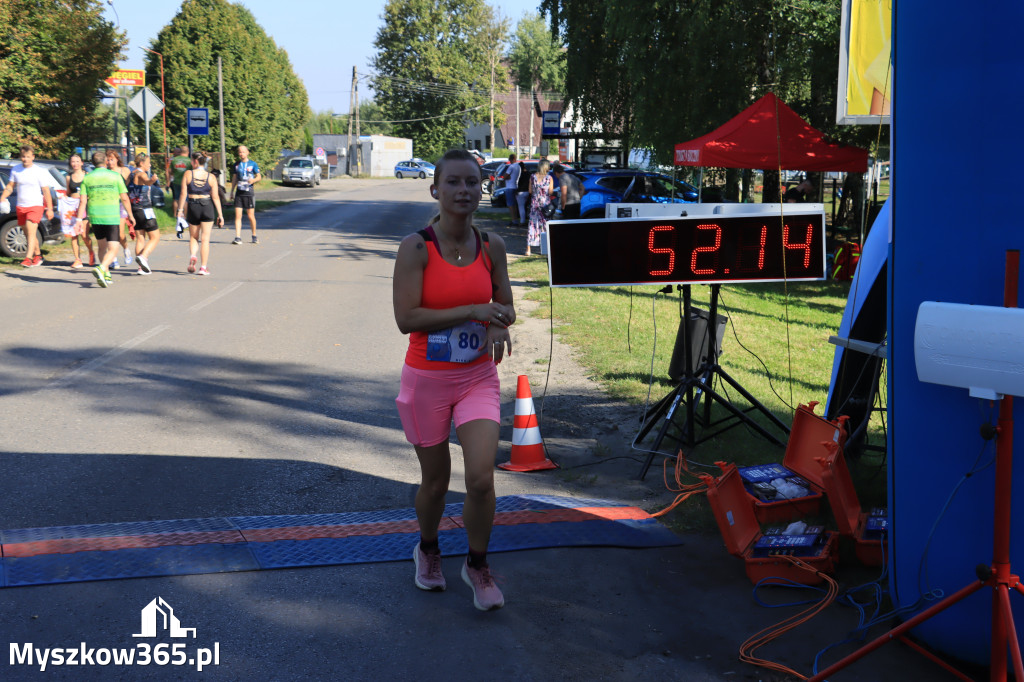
(280, 256)
(220, 294)
(96, 363)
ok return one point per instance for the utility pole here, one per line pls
(491, 110)
(531, 119)
(518, 139)
(359, 147)
(351, 115)
(223, 149)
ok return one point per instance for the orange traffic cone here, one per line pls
(527, 446)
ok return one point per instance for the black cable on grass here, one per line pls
(767, 373)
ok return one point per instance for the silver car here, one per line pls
(301, 170)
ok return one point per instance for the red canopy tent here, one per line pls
(753, 139)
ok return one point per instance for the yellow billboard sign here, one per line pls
(135, 77)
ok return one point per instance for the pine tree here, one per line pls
(265, 103)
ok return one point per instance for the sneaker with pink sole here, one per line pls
(203, 271)
(428, 571)
(486, 595)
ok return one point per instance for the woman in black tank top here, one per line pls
(71, 227)
(200, 198)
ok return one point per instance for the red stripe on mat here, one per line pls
(71, 545)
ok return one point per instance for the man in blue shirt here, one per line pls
(244, 177)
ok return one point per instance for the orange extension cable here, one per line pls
(685, 490)
(773, 632)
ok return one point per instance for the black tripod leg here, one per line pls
(752, 400)
(741, 415)
(654, 413)
(672, 401)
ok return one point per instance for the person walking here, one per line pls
(570, 191)
(69, 224)
(179, 164)
(115, 164)
(103, 192)
(541, 194)
(453, 297)
(140, 185)
(200, 193)
(244, 177)
(511, 176)
(34, 199)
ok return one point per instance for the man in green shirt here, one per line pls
(102, 190)
(179, 164)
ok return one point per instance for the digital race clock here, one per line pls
(691, 250)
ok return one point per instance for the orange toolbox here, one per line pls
(764, 554)
(867, 528)
(807, 444)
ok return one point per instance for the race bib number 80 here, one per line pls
(464, 343)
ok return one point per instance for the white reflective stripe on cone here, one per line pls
(524, 406)
(526, 436)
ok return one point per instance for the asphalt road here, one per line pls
(268, 388)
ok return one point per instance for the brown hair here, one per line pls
(25, 148)
(140, 157)
(452, 155)
(98, 159)
(199, 156)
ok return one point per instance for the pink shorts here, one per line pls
(430, 399)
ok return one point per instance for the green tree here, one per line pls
(371, 121)
(265, 103)
(54, 57)
(433, 74)
(672, 70)
(537, 57)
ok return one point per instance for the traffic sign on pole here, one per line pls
(146, 104)
(198, 121)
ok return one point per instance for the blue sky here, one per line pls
(324, 38)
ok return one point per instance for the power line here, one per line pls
(428, 118)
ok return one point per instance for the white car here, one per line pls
(301, 170)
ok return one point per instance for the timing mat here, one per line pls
(110, 551)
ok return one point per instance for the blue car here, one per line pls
(630, 186)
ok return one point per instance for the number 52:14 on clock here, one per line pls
(691, 250)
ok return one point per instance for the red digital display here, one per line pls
(694, 250)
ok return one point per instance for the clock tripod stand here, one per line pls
(695, 384)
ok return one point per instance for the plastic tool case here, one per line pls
(763, 554)
(867, 528)
(807, 443)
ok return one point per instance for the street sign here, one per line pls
(134, 77)
(321, 155)
(146, 104)
(552, 123)
(198, 121)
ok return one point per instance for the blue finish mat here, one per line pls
(38, 556)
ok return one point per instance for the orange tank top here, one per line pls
(448, 286)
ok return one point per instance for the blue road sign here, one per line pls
(199, 121)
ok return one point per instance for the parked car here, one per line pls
(630, 186)
(301, 170)
(498, 196)
(13, 240)
(414, 168)
(487, 172)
